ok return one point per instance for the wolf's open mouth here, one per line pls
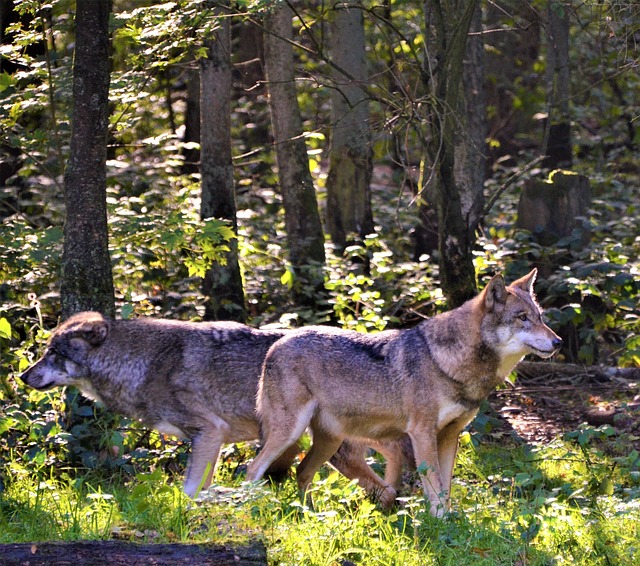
(546, 353)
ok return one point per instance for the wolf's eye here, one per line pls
(523, 317)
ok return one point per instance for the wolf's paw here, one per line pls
(386, 497)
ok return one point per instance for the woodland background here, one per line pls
(352, 163)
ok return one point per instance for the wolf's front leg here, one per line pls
(425, 448)
(447, 450)
(205, 449)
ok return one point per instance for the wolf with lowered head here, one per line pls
(427, 382)
(193, 380)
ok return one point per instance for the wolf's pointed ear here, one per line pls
(93, 332)
(526, 283)
(495, 293)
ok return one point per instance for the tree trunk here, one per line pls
(511, 58)
(551, 209)
(222, 285)
(470, 147)
(350, 159)
(557, 143)
(443, 74)
(192, 124)
(87, 282)
(304, 231)
(248, 53)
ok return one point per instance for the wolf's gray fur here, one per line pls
(427, 382)
(192, 380)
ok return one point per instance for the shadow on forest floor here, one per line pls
(540, 409)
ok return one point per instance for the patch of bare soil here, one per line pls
(549, 400)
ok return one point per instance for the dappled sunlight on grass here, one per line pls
(510, 505)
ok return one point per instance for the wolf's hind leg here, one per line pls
(281, 431)
(279, 468)
(205, 449)
(349, 461)
(394, 452)
(324, 446)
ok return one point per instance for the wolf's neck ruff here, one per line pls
(457, 383)
(461, 354)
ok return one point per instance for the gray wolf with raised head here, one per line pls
(427, 382)
(193, 380)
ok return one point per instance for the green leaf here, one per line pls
(126, 311)
(5, 329)
(6, 424)
(287, 278)
(6, 80)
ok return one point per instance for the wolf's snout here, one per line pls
(557, 343)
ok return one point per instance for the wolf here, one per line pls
(426, 382)
(193, 380)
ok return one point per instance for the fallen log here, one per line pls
(118, 553)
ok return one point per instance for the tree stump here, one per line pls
(551, 209)
(116, 553)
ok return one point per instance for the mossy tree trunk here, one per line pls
(87, 282)
(348, 211)
(222, 285)
(305, 238)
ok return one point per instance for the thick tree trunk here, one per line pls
(455, 235)
(222, 286)
(304, 230)
(551, 209)
(87, 282)
(470, 146)
(469, 149)
(350, 161)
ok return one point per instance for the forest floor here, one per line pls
(540, 409)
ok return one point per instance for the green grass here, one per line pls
(566, 503)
